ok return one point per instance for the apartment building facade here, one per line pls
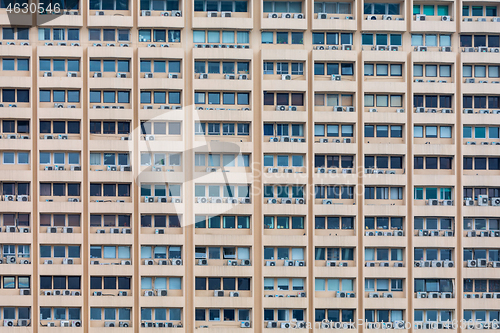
(255, 166)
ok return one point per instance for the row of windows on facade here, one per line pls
(281, 7)
(270, 253)
(242, 37)
(243, 98)
(244, 283)
(243, 160)
(175, 314)
(243, 191)
(230, 67)
(243, 221)
(320, 130)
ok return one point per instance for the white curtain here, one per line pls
(95, 159)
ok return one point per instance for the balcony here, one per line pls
(155, 18)
(481, 86)
(15, 20)
(284, 21)
(110, 18)
(480, 24)
(72, 143)
(478, 57)
(287, 82)
(228, 20)
(425, 23)
(335, 82)
(323, 21)
(69, 19)
(240, 51)
(435, 86)
(383, 22)
(223, 82)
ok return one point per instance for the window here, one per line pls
(282, 7)
(332, 7)
(109, 5)
(165, 5)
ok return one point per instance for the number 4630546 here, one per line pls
(33, 8)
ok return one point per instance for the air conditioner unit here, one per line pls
(48, 262)
(420, 17)
(495, 233)
(471, 263)
(68, 261)
(446, 18)
(126, 262)
(322, 16)
(218, 293)
(482, 262)
(272, 324)
(373, 295)
(286, 15)
(421, 48)
(387, 295)
(421, 295)
(381, 48)
(369, 264)
(482, 200)
(230, 77)
(436, 263)
(68, 230)
(331, 263)
(371, 17)
(245, 324)
(387, 17)
(216, 200)
(383, 264)
(300, 263)
(24, 198)
(212, 14)
(161, 292)
(286, 201)
(432, 202)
